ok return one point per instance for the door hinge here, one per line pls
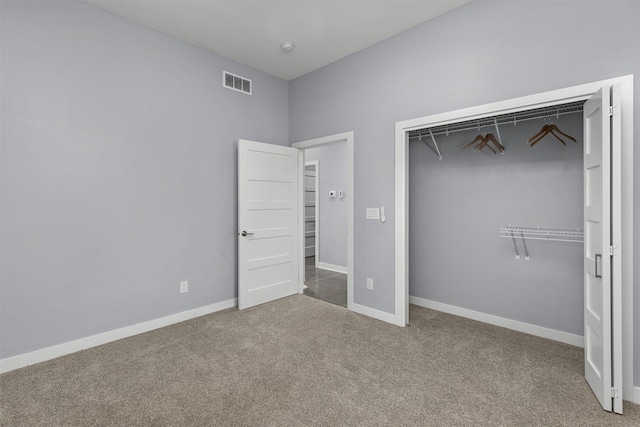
(615, 393)
(613, 250)
(610, 110)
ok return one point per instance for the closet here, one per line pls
(460, 207)
(491, 228)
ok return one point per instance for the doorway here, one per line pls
(329, 278)
(621, 187)
(326, 223)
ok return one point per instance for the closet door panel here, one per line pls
(616, 243)
(597, 283)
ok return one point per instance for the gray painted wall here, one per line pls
(457, 206)
(484, 52)
(118, 172)
(333, 173)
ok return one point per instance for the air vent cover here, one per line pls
(231, 81)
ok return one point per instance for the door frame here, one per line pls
(555, 97)
(316, 230)
(347, 137)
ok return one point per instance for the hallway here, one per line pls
(325, 285)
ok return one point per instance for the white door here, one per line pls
(602, 284)
(268, 240)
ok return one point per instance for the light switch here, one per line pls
(373, 213)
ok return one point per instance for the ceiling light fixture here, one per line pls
(287, 46)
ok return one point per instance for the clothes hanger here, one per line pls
(483, 141)
(555, 128)
(540, 132)
(479, 138)
(483, 144)
(490, 138)
(549, 129)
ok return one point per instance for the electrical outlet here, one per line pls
(369, 283)
(184, 286)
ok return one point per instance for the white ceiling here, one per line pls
(251, 31)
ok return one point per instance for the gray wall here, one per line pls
(333, 173)
(484, 52)
(457, 206)
(118, 172)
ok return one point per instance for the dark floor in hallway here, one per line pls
(325, 285)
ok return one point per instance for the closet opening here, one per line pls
(500, 220)
(500, 231)
(497, 227)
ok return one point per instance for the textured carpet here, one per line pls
(300, 361)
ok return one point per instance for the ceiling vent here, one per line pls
(231, 81)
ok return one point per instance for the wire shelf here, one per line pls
(502, 119)
(539, 233)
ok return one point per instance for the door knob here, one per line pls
(244, 234)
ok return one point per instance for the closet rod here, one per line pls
(502, 119)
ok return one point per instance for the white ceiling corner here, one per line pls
(251, 31)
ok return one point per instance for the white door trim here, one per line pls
(347, 137)
(560, 96)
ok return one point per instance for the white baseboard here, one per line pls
(42, 355)
(636, 396)
(333, 267)
(515, 325)
(372, 312)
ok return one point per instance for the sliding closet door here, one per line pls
(602, 285)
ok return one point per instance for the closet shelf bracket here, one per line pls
(435, 144)
(515, 246)
(524, 245)
(495, 123)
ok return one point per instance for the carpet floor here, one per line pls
(302, 362)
